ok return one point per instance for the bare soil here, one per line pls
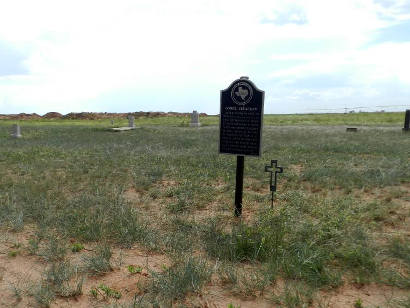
(22, 272)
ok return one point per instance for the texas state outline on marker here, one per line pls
(242, 92)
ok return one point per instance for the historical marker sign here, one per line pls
(240, 130)
(241, 119)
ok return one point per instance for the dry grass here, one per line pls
(160, 199)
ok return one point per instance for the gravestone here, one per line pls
(195, 119)
(131, 121)
(240, 127)
(16, 133)
(407, 121)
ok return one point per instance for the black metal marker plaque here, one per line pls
(241, 119)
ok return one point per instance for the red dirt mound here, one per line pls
(20, 116)
(81, 116)
(93, 115)
(52, 115)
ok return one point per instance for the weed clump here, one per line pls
(77, 247)
(105, 291)
(186, 276)
(134, 269)
(307, 249)
(398, 248)
(54, 248)
(99, 262)
(64, 279)
(60, 279)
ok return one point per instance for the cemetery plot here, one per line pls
(91, 218)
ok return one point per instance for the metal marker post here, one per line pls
(240, 127)
(406, 127)
(240, 163)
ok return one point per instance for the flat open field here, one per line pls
(361, 118)
(144, 218)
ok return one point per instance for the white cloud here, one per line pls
(387, 61)
(78, 51)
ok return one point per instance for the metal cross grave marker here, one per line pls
(273, 169)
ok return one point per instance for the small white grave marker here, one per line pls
(195, 119)
(16, 131)
(131, 121)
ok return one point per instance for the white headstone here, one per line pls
(131, 121)
(16, 131)
(195, 119)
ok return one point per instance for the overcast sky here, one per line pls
(160, 55)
